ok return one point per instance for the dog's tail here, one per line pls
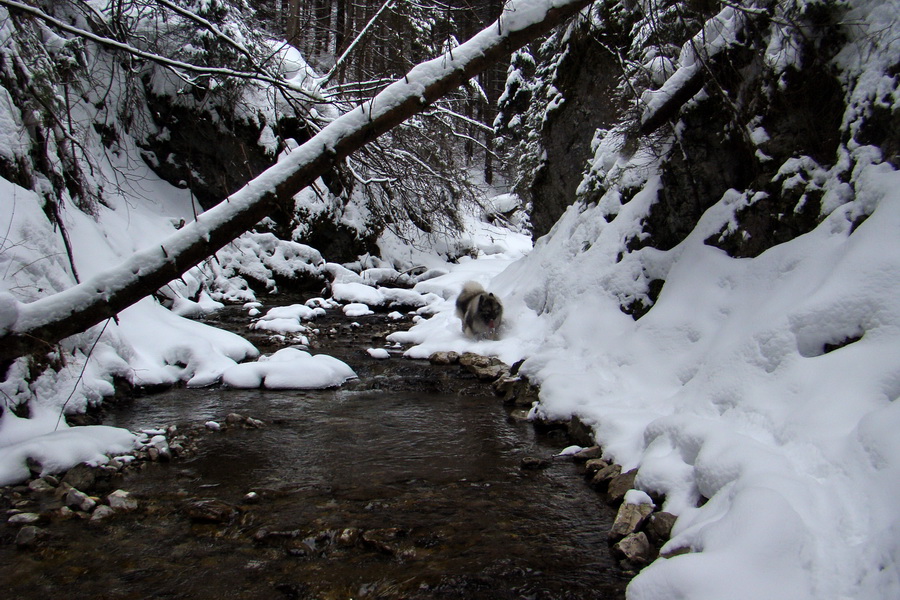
(470, 288)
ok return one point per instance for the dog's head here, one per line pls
(490, 310)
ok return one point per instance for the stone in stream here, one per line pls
(29, 535)
(79, 500)
(121, 500)
(601, 478)
(23, 519)
(210, 511)
(634, 549)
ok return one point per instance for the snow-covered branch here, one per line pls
(165, 61)
(36, 326)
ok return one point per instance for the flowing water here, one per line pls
(406, 483)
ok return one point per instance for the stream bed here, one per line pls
(407, 482)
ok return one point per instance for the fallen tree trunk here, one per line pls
(35, 327)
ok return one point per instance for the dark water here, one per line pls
(404, 484)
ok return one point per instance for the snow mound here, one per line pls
(289, 368)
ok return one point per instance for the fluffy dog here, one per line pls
(480, 312)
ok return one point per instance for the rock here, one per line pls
(470, 359)
(659, 528)
(40, 486)
(234, 419)
(629, 519)
(594, 465)
(505, 385)
(489, 373)
(212, 426)
(254, 423)
(521, 393)
(348, 537)
(251, 498)
(444, 358)
(121, 500)
(634, 548)
(385, 541)
(588, 454)
(79, 500)
(102, 512)
(602, 477)
(23, 519)
(533, 463)
(211, 511)
(28, 536)
(580, 432)
(619, 486)
(81, 477)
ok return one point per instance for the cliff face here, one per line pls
(772, 106)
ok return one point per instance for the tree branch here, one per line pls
(44, 322)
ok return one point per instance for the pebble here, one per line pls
(28, 536)
(102, 512)
(24, 519)
(80, 500)
(122, 501)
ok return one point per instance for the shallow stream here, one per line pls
(406, 483)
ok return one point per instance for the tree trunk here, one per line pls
(44, 322)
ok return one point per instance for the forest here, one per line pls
(687, 207)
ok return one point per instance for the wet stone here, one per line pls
(588, 454)
(533, 463)
(28, 536)
(121, 500)
(634, 548)
(210, 511)
(23, 519)
(79, 500)
(592, 466)
(102, 512)
(602, 477)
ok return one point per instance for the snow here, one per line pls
(757, 396)
(725, 390)
(289, 368)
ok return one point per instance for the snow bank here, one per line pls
(763, 387)
(36, 441)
